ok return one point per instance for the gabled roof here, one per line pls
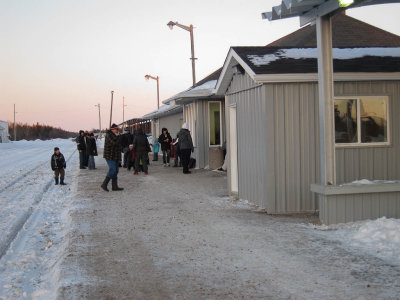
(347, 32)
(293, 58)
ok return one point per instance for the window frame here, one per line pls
(360, 144)
(220, 124)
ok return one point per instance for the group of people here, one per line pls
(182, 145)
(86, 143)
(135, 148)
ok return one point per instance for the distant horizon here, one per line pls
(60, 59)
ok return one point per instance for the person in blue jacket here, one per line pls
(156, 149)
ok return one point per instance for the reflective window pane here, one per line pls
(373, 120)
(215, 123)
(346, 121)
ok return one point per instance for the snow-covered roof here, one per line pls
(311, 53)
(204, 88)
(163, 111)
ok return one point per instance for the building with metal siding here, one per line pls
(196, 103)
(273, 157)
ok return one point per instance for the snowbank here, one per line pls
(380, 238)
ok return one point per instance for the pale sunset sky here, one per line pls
(58, 59)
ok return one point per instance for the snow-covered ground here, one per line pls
(190, 234)
(33, 217)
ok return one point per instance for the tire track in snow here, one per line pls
(18, 224)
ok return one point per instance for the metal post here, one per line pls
(326, 101)
(15, 127)
(193, 58)
(158, 93)
(112, 95)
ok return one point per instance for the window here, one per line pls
(215, 123)
(361, 121)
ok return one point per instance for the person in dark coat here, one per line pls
(142, 148)
(130, 161)
(81, 144)
(112, 155)
(58, 165)
(186, 147)
(126, 140)
(165, 140)
(91, 150)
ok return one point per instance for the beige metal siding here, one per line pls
(251, 112)
(371, 162)
(296, 145)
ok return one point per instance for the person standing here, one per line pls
(141, 147)
(58, 165)
(165, 140)
(112, 155)
(126, 140)
(91, 149)
(185, 146)
(81, 144)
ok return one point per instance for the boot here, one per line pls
(62, 181)
(105, 183)
(56, 180)
(115, 185)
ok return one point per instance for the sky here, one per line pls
(58, 59)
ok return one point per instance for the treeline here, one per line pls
(38, 131)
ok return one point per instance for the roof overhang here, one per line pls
(163, 112)
(309, 10)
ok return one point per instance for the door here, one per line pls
(233, 148)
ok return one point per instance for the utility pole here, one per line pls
(112, 96)
(98, 105)
(123, 110)
(15, 126)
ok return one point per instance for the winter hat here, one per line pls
(131, 145)
(81, 131)
(185, 126)
(56, 148)
(114, 126)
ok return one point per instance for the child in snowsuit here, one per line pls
(130, 160)
(58, 165)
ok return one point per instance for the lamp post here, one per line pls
(123, 111)
(190, 29)
(98, 105)
(158, 87)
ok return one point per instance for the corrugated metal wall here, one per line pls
(251, 111)
(278, 142)
(371, 162)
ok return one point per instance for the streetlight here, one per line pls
(158, 87)
(190, 29)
